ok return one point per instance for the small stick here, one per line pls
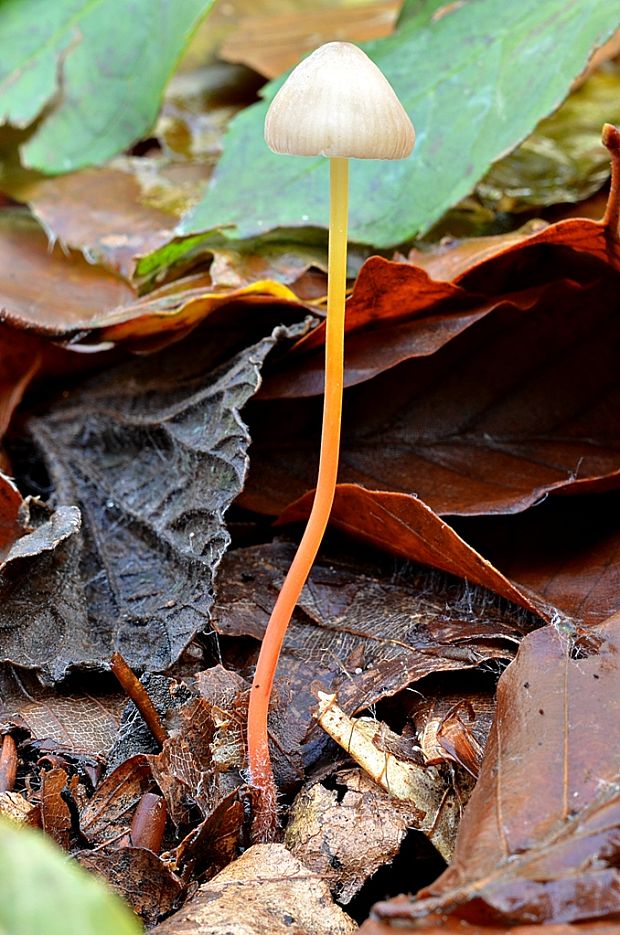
(8, 764)
(134, 689)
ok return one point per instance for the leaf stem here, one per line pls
(265, 821)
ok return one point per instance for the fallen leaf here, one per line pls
(265, 890)
(213, 844)
(61, 294)
(139, 877)
(102, 109)
(447, 72)
(488, 423)
(81, 722)
(40, 563)
(100, 212)
(153, 453)
(431, 792)
(13, 521)
(453, 730)
(272, 41)
(347, 837)
(363, 629)
(106, 817)
(567, 551)
(20, 360)
(441, 925)
(562, 160)
(56, 817)
(185, 770)
(538, 841)
(53, 290)
(13, 805)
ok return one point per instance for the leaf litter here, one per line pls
(388, 639)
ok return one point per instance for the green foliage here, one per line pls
(89, 72)
(476, 78)
(42, 891)
(564, 159)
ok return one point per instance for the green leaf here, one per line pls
(564, 159)
(42, 891)
(91, 72)
(475, 78)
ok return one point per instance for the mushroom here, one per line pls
(336, 103)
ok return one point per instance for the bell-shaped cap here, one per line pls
(338, 103)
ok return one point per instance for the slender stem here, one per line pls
(135, 690)
(261, 774)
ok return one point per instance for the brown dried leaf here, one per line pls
(539, 839)
(56, 819)
(273, 41)
(361, 629)
(213, 844)
(429, 790)
(81, 723)
(184, 770)
(441, 925)
(347, 838)
(53, 291)
(101, 213)
(107, 816)
(265, 890)
(489, 423)
(567, 550)
(139, 876)
(57, 292)
(15, 806)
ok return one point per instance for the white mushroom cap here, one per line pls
(337, 103)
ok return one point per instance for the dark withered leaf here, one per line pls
(139, 876)
(153, 453)
(107, 816)
(364, 630)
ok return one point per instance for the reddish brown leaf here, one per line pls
(539, 839)
(403, 310)
(20, 359)
(405, 526)
(12, 520)
(553, 570)
(567, 551)
(50, 290)
(272, 41)
(102, 212)
(55, 813)
(521, 404)
(58, 293)
(107, 816)
(213, 844)
(440, 925)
